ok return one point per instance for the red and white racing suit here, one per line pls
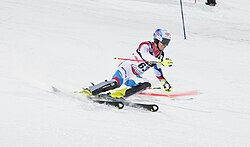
(129, 72)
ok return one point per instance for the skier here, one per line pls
(148, 54)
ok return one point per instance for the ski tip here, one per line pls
(154, 108)
(54, 89)
(120, 106)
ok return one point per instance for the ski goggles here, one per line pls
(165, 42)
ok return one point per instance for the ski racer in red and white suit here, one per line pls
(147, 55)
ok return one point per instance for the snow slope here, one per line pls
(69, 43)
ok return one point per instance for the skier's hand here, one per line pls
(166, 62)
(166, 86)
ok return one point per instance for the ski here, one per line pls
(117, 104)
(107, 100)
(148, 107)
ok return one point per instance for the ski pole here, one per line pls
(127, 59)
(154, 88)
(171, 95)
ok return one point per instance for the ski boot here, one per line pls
(119, 93)
(86, 92)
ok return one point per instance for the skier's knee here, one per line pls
(147, 84)
(118, 78)
(138, 88)
(144, 85)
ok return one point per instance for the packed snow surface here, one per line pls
(70, 43)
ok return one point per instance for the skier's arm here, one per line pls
(159, 74)
(143, 51)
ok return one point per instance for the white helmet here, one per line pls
(163, 36)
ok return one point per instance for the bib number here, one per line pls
(143, 66)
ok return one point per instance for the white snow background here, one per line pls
(70, 43)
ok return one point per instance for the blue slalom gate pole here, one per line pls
(183, 22)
